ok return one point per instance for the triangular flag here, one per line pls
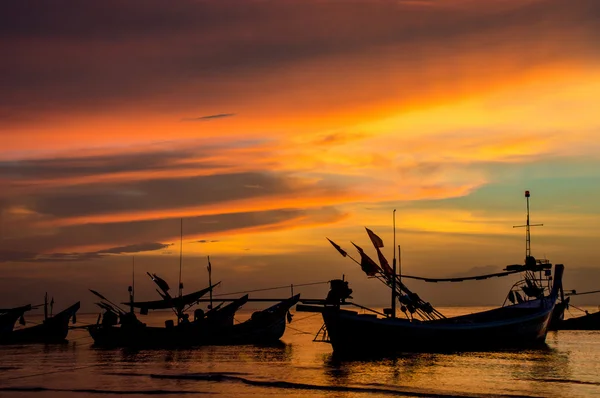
(338, 248)
(377, 242)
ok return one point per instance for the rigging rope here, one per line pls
(460, 279)
(271, 288)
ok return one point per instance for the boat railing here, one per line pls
(521, 287)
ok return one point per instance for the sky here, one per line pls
(141, 132)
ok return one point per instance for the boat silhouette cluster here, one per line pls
(533, 306)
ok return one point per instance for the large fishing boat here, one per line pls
(53, 329)
(522, 321)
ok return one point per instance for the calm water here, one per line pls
(298, 367)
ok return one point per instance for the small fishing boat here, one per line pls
(53, 329)
(264, 327)
(585, 321)
(119, 328)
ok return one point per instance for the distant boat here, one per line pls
(586, 321)
(53, 329)
(119, 328)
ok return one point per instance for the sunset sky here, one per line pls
(269, 125)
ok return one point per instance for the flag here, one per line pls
(339, 249)
(209, 267)
(367, 264)
(385, 266)
(377, 242)
(159, 282)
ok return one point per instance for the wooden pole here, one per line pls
(394, 271)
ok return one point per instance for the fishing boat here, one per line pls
(53, 329)
(117, 327)
(264, 327)
(585, 321)
(518, 323)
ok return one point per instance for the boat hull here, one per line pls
(352, 333)
(584, 322)
(264, 327)
(52, 330)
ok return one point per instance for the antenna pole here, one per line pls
(210, 281)
(527, 226)
(527, 230)
(132, 287)
(394, 270)
(399, 268)
(132, 276)
(180, 257)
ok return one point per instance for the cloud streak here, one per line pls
(208, 118)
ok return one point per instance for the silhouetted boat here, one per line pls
(522, 321)
(53, 329)
(215, 327)
(587, 321)
(519, 325)
(264, 327)
(120, 328)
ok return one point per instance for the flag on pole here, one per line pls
(339, 249)
(367, 264)
(159, 282)
(385, 266)
(209, 267)
(377, 242)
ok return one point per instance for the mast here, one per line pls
(180, 258)
(394, 271)
(132, 287)
(46, 306)
(399, 267)
(209, 267)
(527, 230)
(528, 226)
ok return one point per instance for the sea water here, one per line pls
(569, 366)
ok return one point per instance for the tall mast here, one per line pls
(132, 287)
(180, 257)
(209, 267)
(394, 270)
(527, 230)
(46, 306)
